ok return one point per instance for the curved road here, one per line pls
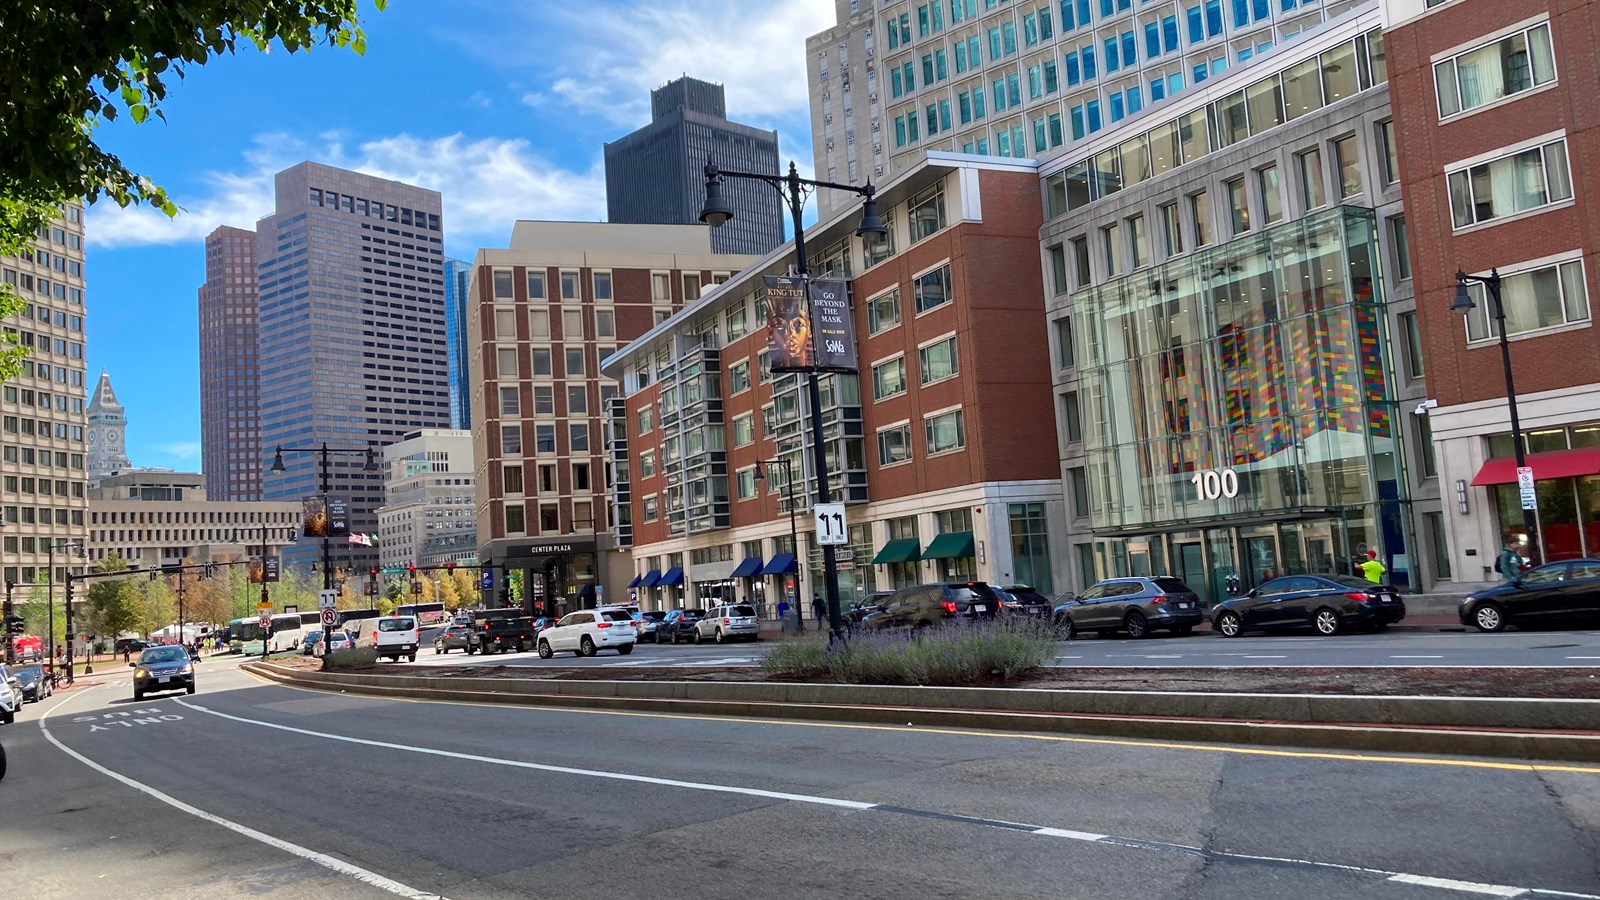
(262, 790)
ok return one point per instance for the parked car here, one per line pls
(1328, 603)
(10, 702)
(508, 628)
(1138, 605)
(131, 645)
(541, 623)
(648, 623)
(727, 623)
(678, 625)
(162, 669)
(1554, 595)
(455, 637)
(927, 605)
(341, 640)
(863, 608)
(1025, 600)
(34, 683)
(588, 631)
(397, 636)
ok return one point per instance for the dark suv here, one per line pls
(927, 605)
(1138, 606)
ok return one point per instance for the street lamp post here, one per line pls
(50, 596)
(794, 532)
(794, 191)
(1463, 304)
(324, 452)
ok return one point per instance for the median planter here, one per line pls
(958, 654)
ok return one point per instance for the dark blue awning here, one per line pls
(635, 582)
(782, 564)
(651, 578)
(750, 566)
(673, 578)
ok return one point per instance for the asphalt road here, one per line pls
(1394, 649)
(248, 789)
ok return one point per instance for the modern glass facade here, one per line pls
(1239, 410)
(456, 275)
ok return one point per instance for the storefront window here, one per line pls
(1030, 546)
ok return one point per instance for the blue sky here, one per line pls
(501, 105)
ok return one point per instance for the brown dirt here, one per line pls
(1530, 683)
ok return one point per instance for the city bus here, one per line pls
(425, 613)
(350, 615)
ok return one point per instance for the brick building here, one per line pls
(1495, 110)
(941, 447)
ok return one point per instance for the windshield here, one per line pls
(1349, 580)
(743, 610)
(28, 675)
(617, 615)
(163, 655)
(397, 624)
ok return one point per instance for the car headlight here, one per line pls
(186, 670)
(140, 673)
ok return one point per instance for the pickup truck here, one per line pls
(495, 630)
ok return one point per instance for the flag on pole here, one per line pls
(362, 539)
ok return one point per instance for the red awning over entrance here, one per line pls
(1546, 466)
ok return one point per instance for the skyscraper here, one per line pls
(352, 333)
(230, 398)
(108, 431)
(456, 275)
(655, 176)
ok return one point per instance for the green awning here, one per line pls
(903, 550)
(955, 545)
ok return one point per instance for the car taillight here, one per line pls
(1359, 598)
(727, 622)
(948, 606)
(1159, 598)
(603, 624)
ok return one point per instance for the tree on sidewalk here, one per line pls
(113, 604)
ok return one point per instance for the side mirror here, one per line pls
(1254, 592)
(133, 665)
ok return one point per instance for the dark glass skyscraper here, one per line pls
(456, 275)
(655, 176)
(230, 398)
(352, 333)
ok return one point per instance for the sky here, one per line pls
(503, 106)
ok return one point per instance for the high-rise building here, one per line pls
(428, 494)
(107, 439)
(656, 175)
(456, 275)
(42, 421)
(895, 79)
(545, 311)
(352, 333)
(230, 398)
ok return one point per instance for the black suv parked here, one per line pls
(1138, 606)
(510, 628)
(927, 605)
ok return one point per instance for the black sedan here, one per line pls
(34, 683)
(678, 626)
(162, 669)
(1327, 603)
(1554, 595)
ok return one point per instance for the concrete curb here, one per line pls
(1510, 728)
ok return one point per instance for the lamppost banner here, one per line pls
(314, 516)
(834, 328)
(788, 324)
(338, 517)
(260, 572)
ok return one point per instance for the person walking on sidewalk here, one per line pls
(819, 609)
(1372, 569)
(1509, 563)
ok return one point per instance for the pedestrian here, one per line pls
(1373, 569)
(819, 609)
(1509, 562)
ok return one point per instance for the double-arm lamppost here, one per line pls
(50, 595)
(794, 529)
(794, 191)
(324, 452)
(1463, 304)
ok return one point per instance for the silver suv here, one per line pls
(727, 623)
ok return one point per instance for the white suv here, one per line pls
(10, 700)
(588, 631)
(396, 636)
(726, 623)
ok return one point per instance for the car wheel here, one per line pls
(1064, 629)
(1136, 625)
(471, 649)
(1230, 624)
(674, 640)
(137, 696)
(1327, 621)
(412, 656)
(544, 650)
(694, 636)
(189, 689)
(1489, 617)
(586, 647)
(625, 649)
(437, 650)
(720, 638)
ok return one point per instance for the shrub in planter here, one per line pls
(350, 659)
(954, 654)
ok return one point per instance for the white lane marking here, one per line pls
(366, 876)
(564, 770)
(1416, 657)
(1450, 884)
(1069, 834)
(1266, 657)
(1583, 657)
(1069, 657)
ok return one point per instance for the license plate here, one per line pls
(980, 608)
(161, 679)
(1184, 605)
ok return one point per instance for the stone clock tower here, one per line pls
(107, 434)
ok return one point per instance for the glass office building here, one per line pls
(1239, 410)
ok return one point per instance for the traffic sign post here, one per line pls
(1530, 498)
(330, 617)
(831, 530)
(328, 599)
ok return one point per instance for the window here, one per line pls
(1546, 297)
(739, 377)
(945, 432)
(1512, 184)
(889, 378)
(1080, 261)
(605, 323)
(539, 323)
(577, 400)
(744, 430)
(894, 444)
(1110, 238)
(926, 211)
(540, 358)
(1239, 205)
(572, 325)
(1504, 68)
(932, 288)
(1348, 162)
(509, 403)
(544, 400)
(883, 311)
(647, 420)
(1402, 251)
(1172, 229)
(1064, 351)
(574, 361)
(1080, 492)
(1413, 339)
(649, 505)
(516, 521)
(745, 484)
(1200, 209)
(502, 284)
(569, 285)
(1139, 242)
(938, 360)
(1312, 189)
(544, 438)
(1072, 417)
(1271, 198)
(602, 285)
(506, 362)
(510, 440)
(1391, 158)
(1430, 464)
(647, 464)
(1058, 269)
(660, 287)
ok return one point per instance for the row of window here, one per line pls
(942, 432)
(538, 288)
(583, 518)
(515, 483)
(544, 439)
(374, 209)
(11, 453)
(935, 362)
(44, 287)
(572, 322)
(43, 515)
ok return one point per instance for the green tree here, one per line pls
(36, 613)
(71, 67)
(114, 604)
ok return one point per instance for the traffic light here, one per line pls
(372, 572)
(450, 567)
(15, 625)
(412, 569)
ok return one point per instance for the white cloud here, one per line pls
(486, 184)
(180, 449)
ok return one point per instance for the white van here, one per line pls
(396, 636)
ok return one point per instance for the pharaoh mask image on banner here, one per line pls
(788, 324)
(315, 516)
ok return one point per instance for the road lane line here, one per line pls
(1470, 887)
(365, 876)
(1416, 657)
(818, 800)
(1266, 657)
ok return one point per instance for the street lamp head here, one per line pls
(716, 212)
(760, 475)
(871, 222)
(277, 461)
(1463, 301)
(372, 462)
